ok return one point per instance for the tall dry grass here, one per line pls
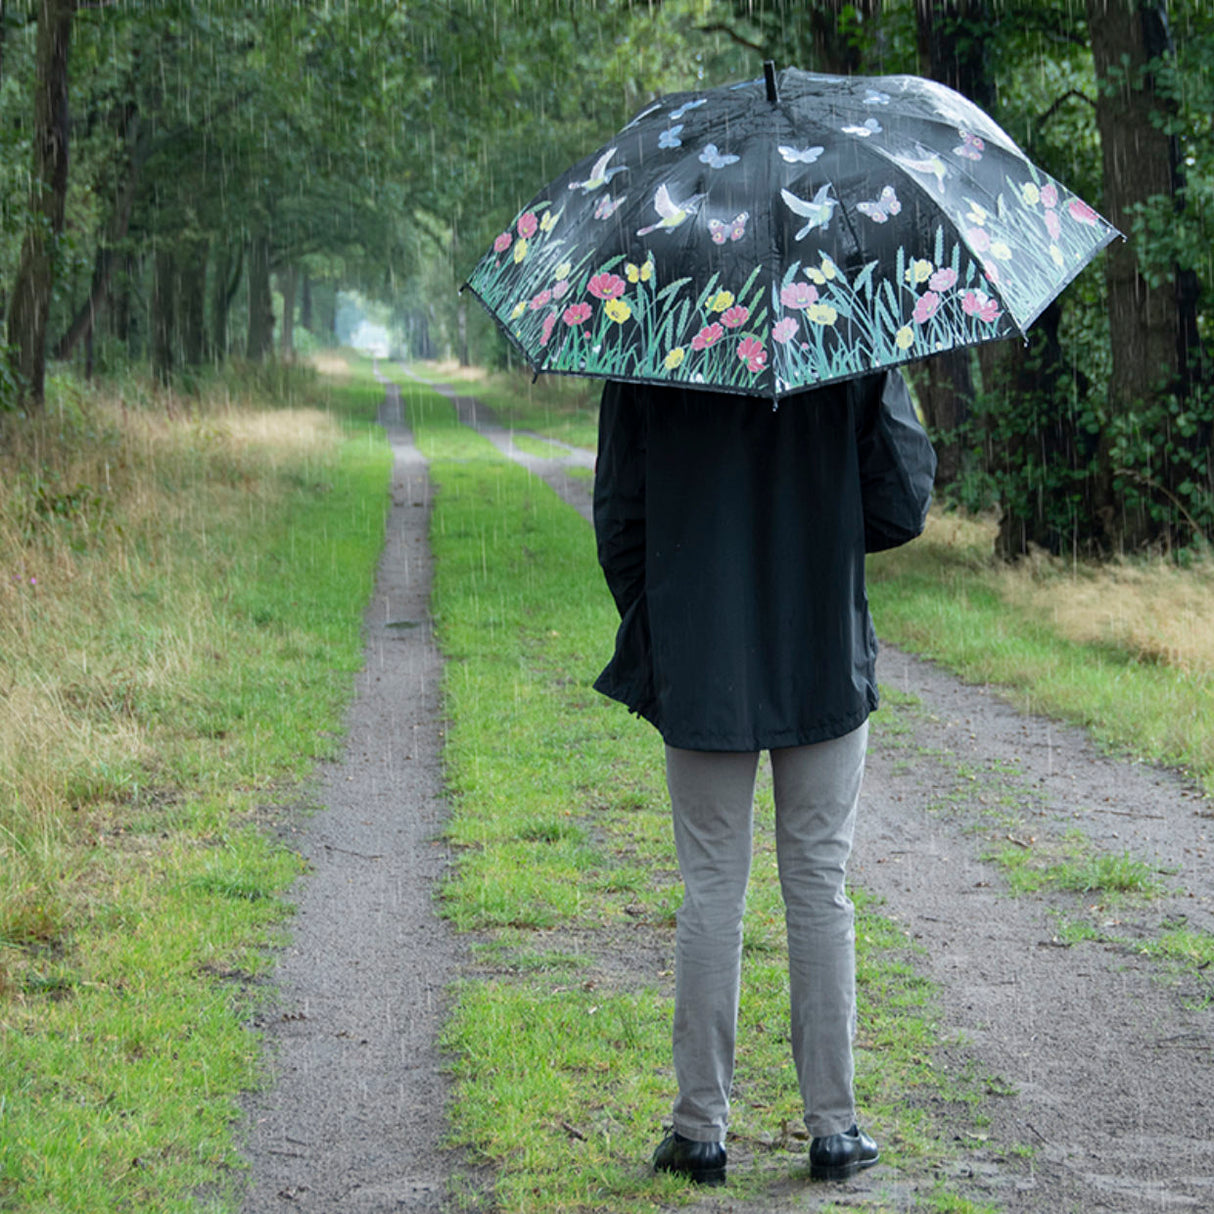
(1150, 607)
(117, 511)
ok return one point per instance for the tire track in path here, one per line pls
(353, 1121)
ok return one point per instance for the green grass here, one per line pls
(537, 447)
(565, 861)
(1082, 872)
(942, 603)
(556, 406)
(196, 665)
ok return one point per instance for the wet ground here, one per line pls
(1098, 1057)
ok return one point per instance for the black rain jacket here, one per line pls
(732, 537)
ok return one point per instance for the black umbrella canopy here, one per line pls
(786, 232)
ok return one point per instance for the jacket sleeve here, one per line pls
(619, 493)
(897, 463)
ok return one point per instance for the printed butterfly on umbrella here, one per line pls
(781, 233)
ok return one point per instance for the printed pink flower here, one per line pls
(926, 307)
(752, 352)
(784, 330)
(540, 300)
(978, 240)
(709, 335)
(735, 317)
(1082, 212)
(942, 279)
(503, 242)
(546, 331)
(798, 295)
(1049, 195)
(574, 314)
(606, 286)
(991, 273)
(527, 225)
(1053, 224)
(976, 303)
(561, 289)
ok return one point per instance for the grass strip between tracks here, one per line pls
(566, 872)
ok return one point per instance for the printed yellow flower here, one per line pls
(618, 310)
(549, 221)
(674, 358)
(904, 338)
(520, 251)
(1056, 254)
(519, 309)
(1030, 193)
(815, 275)
(919, 271)
(1000, 250)
(822, 314)
(723, 300)
(562, 271)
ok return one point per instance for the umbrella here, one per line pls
(786, 232)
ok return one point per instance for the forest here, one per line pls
(182, 185)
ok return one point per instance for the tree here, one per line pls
(1144, 318)
(31, 298)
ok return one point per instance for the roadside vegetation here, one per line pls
(1125, 648)
(180, 618)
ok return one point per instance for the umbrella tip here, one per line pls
(769, 74)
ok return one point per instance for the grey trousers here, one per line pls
(712, 796)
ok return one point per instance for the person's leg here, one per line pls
(816, 792)
(712, 796)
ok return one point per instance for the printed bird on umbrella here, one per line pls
(786, 232)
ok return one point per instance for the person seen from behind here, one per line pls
(732, 537)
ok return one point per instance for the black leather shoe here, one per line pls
(838, 1156)
(702, 1162)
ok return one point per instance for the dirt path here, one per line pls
(1099, 1057)
(1098, 1060)
(353, 1123)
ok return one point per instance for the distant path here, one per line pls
(576, 491)
(352, 1125)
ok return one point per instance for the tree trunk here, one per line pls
(103, 266)
(164, 314)
(35, 280)
(228, 274)
(261, 301)
(192, 297)
(287, 282)
(952, 49)
(305, 302)
(120, 309)
(944, 385)
(833, 51)
(1144, 320)
(461, 319)
(3, 30)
